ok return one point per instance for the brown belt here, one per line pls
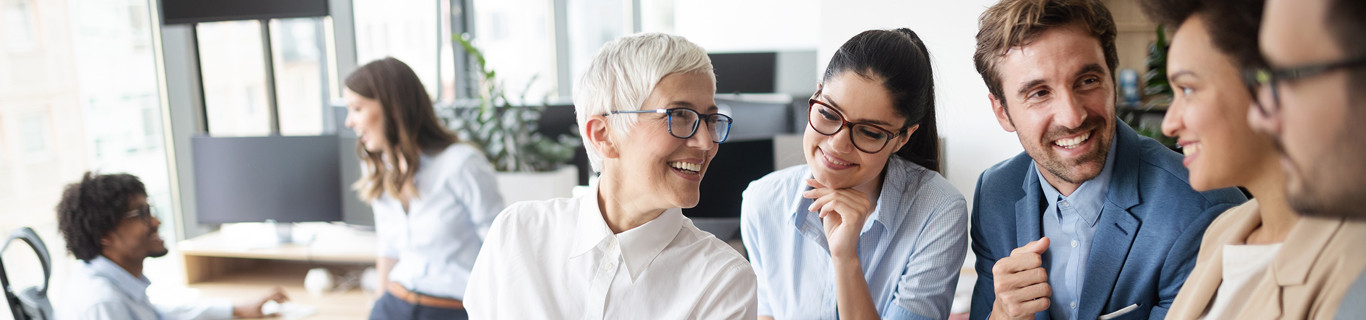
(419, 299)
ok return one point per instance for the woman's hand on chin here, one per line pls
(842, 213)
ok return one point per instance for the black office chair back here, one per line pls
(28, 303)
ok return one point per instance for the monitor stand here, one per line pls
(284, 232)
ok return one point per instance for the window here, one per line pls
(518, 42)
(296, 51)
(20, 36)
(236, 93)
(593, 23)
(410, 31)
(34, 135)
(87, 99)
(233, 70)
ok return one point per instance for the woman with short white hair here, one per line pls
(648, 117)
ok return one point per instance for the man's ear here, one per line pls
(107, 240)
(600, 137)
(1002, 115)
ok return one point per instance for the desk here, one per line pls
(233, 263)
(225, 251)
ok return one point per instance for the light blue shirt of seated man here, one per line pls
(911, 248)
(1070, 225)
(100, 289)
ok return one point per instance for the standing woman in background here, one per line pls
(434, 199)
(867, 228)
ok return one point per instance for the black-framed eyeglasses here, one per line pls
(683, 122)
(144, 213)
(828, 121)
(1271, 78)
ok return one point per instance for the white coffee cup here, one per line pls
(319, 281)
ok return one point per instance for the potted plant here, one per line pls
(530, 165)
(1157, 89)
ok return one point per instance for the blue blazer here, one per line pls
(1146, 239)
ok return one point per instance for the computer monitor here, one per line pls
(256, 179)
(736, 164)
(745, 72)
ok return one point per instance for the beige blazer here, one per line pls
(1306, 280)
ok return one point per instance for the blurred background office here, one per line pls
(125, 86)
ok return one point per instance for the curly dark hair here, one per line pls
(92, 208)
(1232, 24)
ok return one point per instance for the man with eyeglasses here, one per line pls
(1312, 101)
(108, 224)
(623, 250)
(1092, 220)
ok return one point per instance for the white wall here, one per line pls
(748, 25)
(974, 140)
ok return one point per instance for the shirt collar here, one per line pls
(590, 229)
(135, 287)
(638, 246)
(1089, 198)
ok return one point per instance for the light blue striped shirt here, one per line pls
(1070, 225)
(911, 249)
(99, 289)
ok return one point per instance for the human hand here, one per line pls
(252, 309)
(1021, 283)
(842, 213)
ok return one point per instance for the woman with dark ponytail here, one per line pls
(867, 228)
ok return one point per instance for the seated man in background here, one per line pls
(108, 225)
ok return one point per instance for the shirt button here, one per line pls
(1075, 243)
(1074, 305)
(608, 266)
(1064, 204)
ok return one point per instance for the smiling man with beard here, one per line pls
(1092, 220)
(108, 225)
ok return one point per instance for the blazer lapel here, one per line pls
(1029, 210)
(1029, 218)
(1116, 229)
(1208, 274)
(1114, 235)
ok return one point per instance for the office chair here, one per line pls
(28, 303)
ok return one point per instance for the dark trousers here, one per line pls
(391, 307)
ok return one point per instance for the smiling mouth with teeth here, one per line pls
(692, 168)
(1073, 142)
(836, 162)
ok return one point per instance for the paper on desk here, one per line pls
(288, 310)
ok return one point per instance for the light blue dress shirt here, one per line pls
(1070, 224)
(911, 249)
(100, 289)
(439, 237)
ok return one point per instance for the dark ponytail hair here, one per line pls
(899, 59)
